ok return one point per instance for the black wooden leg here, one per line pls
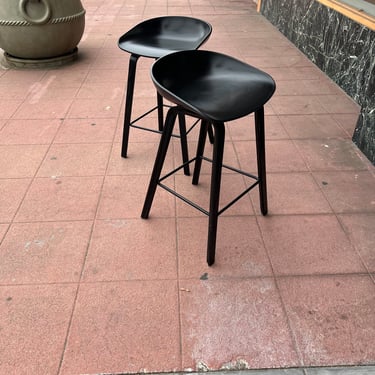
(210, 134)
(128, 104)
(184, 146)
(200, 150)
(159, 161)
(261, 159)
(217, 163)
(159, 99)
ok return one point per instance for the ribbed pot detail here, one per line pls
(40, 29)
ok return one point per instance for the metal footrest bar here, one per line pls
(141, 117)
(132, 123)
(195, 205)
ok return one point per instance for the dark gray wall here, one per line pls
(342, 48)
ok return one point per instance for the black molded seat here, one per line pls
(154, 38)
(215, 88)
(157, 37)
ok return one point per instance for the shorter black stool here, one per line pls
(214, 88)
(154, 38)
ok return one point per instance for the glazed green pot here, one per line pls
(40, 29)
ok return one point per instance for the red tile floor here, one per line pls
(88, 287)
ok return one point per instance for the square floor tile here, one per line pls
(23, 132)
(19, 161)
(339, 104)
(269, 51)
(132, 250)
(94, 108)
(303, 245)
(107, 75)
(8, 108)
(330, 154)
(75, 160)
(281, 73)
(64, 77)
(12, 192)
(86, 131)
(23, 77)
(102, 90)
(56, 85)
(283, 61)
(281, 156)
(332, 318)
(312, 126)
(43, 109)
(124, 327)
(229, 320)
(59, 91)
(239, 250)
(290, 87)
(360, 229)
(44, 252)
(12, 90)
(124, 196)
(69, 198)
(297, 105)
(34, 323)
(140, 160)
(323, 86)
(244, 129)
(348, 191)
(293, 193)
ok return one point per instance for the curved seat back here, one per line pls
(159, 36)
(215, 86)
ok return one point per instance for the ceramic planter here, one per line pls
(40, 29)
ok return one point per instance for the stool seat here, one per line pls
(213, 85)
(157, 37)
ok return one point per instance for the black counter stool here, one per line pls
(214, 88)
(154, 38)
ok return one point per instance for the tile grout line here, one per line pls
(286, 315)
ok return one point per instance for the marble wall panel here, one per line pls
(342, 48)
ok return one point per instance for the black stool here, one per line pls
(154, 38)
(214, 88)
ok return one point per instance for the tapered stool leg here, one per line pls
(159, 161)
(200, 150)
(210, 134)
(183, 141)
(261, 159)
(217, 163)
(159, 100)
(128, 104)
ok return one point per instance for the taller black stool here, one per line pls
(154, 38)
(214, 88)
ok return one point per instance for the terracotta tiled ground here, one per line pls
(87, 287)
